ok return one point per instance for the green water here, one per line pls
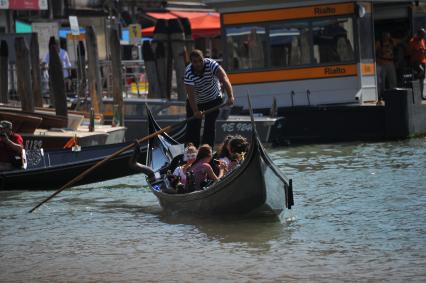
(359, 216)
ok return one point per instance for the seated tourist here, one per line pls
(189, 157)
(202, 171)
(237, 148)
(224, 153)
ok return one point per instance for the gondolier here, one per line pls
(203, 79)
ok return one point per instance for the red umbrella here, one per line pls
(203, 24)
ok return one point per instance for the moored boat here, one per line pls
(44, 129)
(22, 123)
(50, 169)
(170, 112)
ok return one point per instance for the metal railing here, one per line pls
(134, 81)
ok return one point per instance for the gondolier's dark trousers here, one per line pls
(193, 127)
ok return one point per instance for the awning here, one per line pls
(165, 16)
(23, 4)
(203, 24)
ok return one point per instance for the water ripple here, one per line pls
(359, 216)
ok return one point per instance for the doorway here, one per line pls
(392, 32)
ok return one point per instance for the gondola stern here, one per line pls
(288, 183)
(253, 124)
(289, 194)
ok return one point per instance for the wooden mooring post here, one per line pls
(117, 77)
(81, 69)
(189, 42)
(23, 73)
(4, 64)
(35, 70)
(177, 42)
(151, 70)
(56, 79)
(81, 75)
(161, 47)
(160, 59)
(94, 73)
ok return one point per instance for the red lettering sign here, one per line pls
(24, 5)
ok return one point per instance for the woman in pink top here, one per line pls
(201, 168)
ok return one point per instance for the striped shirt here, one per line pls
(207, 85)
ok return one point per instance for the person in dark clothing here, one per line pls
(417, 49)
(385, 63)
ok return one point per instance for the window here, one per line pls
(292, 43)
(289, 44)
(245, 47)
(333, 40)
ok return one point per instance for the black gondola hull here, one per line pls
(255, 187)
(54, 177)
(50, 170)
(53, 169)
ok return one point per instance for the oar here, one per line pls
(106, 159)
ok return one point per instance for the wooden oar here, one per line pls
(106, 159)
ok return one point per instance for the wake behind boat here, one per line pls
(256, 186)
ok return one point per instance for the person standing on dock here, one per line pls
(417, 50)
(66, 63)
(203, 78)
(385, 60)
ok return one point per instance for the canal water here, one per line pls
(359, 216)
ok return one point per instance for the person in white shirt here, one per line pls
(189, 157)
(66, 63)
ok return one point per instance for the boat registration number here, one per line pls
(236, 127)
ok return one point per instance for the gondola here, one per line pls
(50, 169)
(256, 186)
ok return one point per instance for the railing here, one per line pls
(134, 81)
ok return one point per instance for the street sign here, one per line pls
(75, 30)
(135, 34)
(4, 4)
(42, 4)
